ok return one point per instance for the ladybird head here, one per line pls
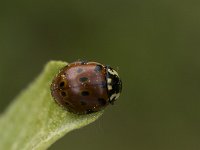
(114, 84)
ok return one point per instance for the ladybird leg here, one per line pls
(112, 102)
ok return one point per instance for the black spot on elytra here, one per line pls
(98, 68)
(102, 101)
(85, 93)
(63, 94)
(62, 84)
(89, 111)
(83, 103)
(79, 70)
(67, 103)
(83, 79)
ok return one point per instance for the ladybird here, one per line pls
(86, 87)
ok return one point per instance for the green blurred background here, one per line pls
(153, 43)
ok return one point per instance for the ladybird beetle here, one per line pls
(86, 87)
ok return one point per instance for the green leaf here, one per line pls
(34, 120)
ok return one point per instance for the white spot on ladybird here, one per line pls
(109, 80)
(113, 72)
(109, 87)
(114, 96)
